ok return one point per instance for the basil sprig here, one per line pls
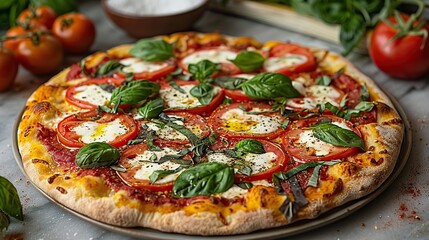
(152, 50)
(133, 93)
(269, 86)
(203, 180)
(202, 69)
(204, 92)
(337, 136)
(151, 109)
(229, 82)
(347, 114)
(160, 174)
(250, 146)
(109, 68)
(248, 61)
(323, 80)
(10, 204)
(97, 154)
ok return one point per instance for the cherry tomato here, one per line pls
(69, 137)
(88, 104)
(288, 59)
(301, 151)
(75, 31)
(41, 16)
(403, 57)
(42, 57)
(166, 67)
(13, 44)
(8, 69)
(188, 99)
(247, 120)
(129, 176)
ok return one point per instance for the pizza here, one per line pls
(206, 134)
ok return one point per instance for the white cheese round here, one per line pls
(100, 132)
(214, 55)
(92, 94)
(273, 64)
(135, 65)
(240, 121)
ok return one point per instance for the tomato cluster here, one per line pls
(39, 40)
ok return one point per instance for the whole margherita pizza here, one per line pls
(207, 134)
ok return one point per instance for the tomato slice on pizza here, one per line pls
(247, 120)
(89, 67)
(237, 94)
(77, 130)
(92, 93)
(178, 98)
(220, 55)
(141, 164)
(288, 59)
(146, 70)
(301, 143)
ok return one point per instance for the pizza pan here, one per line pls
(285, 231)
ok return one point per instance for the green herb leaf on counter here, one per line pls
(352, 31)
(337, 136)
(4, 221)
(269, 86)
(9, 200)
(97, 154)
(248, 61)
(152, 50)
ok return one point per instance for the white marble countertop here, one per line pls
(401, 212)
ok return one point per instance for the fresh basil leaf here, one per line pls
(118, 168)
(134, 92)
(202, 69)
(269, 86)
(97, 154)
(9, 199)
(352, 31)
(164, 119)
(174, 85)
(334, 109)
(135, 141)
(245, 185)
(323, 80)
(160, 174)
(314, 179)
(364, 93)
(109, 68)
(302, 7)
(364, 106)
(343, 101)
(204, 92)
(243, 168)
(337, 136)
(4, 221)
(203, 180)
(227, 101)
(248, 61)
(323, 120)
(149, 141)
(332, 11)
(285, 123)
(228, 82)
(152, 50)
(250, 146)
(288, 209)
(152, 109)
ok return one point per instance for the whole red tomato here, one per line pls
(75, 31)
(41, 16)
(13, 44)
(406, 57)
(8, 68)
(40, 56)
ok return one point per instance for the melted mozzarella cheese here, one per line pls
(260, 162)
(244, 75)
(92, 94)
(147, 166)
(100, 132)
(315, 95)
(318, 91)
(220, 158)
(240, 121)
(320, 147)
(176, 99)
(273, 64)
(214, 55)
(136, 65)
(169, 133)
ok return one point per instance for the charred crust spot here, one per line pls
(383, 151)
(41, 107)
(36, 160)
(263, 193)
(27, 131)
(66, 178)
(371, 148)
(338, 187)
(51, 179)
(61, 190)
(214, 200)
(395, 121)
(377, 162)
(222, 219)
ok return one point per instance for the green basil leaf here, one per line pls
(4, 221)
(203, 180)
(250, 146)
(204, 92)
(152, 109)
(160, 174)
(134, 92)
(118, 168)
(323, 80)
(9, 199)
(285, 123)
(248, 61)
(314, 179)
(337, 136)
(352, 31)
(202, 69)
(174, 85)
(269, 86)
(227, 101)
(332, 11)
(109, 68)
(97, 154)
(364, 93)
(243, 168)
(343, 101)
(152, 50)
(364, 106)
(245, 185)
(229, 82)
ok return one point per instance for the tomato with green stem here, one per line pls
(41, 16)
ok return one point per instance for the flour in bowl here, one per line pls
(153, 7)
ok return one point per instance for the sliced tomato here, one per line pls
(69, 137)
(72, 91)
(302, 152)
(348, 85)
(233, 121)
(227, 68)
(165, 68)
(316, 95)
(131, 169)
(193, 122)
(304, 59)
(193, 105)
(92, 63)
(237, 94)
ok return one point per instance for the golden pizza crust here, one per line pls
(88, 195)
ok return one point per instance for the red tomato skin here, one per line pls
(8, 69)
(152, 76)
(402, 58)
(237, 95)
(45, 16)
(43, 58)
(77, 36)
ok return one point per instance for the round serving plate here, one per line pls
(284, 231)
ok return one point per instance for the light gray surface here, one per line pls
(384, 218)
